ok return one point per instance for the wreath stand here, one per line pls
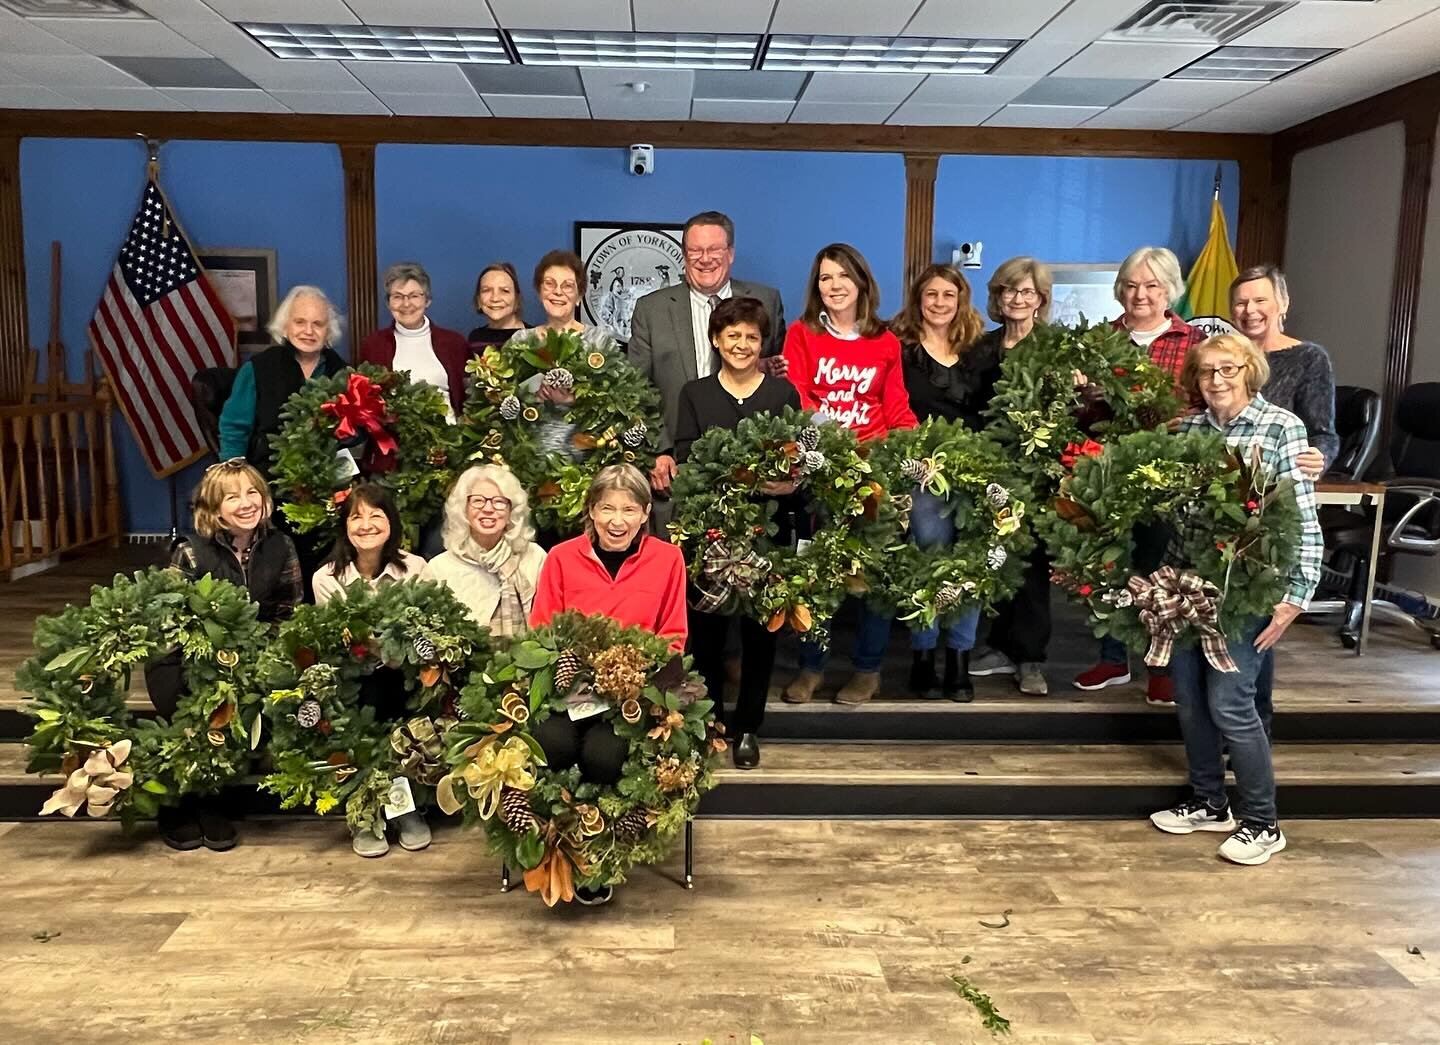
(506, 885)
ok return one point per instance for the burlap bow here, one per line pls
(723, 573)
(420, 748)
(95, 785)
(1169, 603)
(361, 408)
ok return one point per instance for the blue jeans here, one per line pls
(872, 635)
(930, 526)
(1217, 711)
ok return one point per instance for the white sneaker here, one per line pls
(990, 662)
(1253, 844)
(1191, 816)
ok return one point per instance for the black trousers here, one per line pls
(1021, 627)
(590, 743)
(384, 690)
(708, 632)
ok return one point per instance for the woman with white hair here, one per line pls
(428, 353)
(491, 561)
(1147, 286)
(304, 327)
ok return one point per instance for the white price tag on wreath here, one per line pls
(399, 800)
(347, 464)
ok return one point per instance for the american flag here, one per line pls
(159, 322)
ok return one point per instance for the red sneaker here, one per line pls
(1103, 675)
(1160, 691)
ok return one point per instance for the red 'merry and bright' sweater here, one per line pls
(860, 383)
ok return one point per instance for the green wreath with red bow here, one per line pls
(364, 423)
(1235, 532)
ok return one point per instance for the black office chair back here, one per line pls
(209, 389)
(1415, 443)
(1357, 422)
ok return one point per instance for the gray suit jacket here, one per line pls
(662, 343)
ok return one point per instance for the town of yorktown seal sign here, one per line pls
(624, 266)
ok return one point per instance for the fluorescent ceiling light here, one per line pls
(635, 50)
(1250, 63)
(380, 43)
(890, 54)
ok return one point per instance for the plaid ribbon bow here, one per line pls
(1169, 603)
(723, 573)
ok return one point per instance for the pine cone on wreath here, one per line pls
(811, 461)
(947, 596)
(559, 379)
(309, 714)
(997, 495)
(566, 670)
(510, 407)
(809, 437)
(912, 469)
(631, 826)
(515, 810)
(635, 434)
(425, 649)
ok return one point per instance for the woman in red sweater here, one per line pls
(842, 359)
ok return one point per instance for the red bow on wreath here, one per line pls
(1074, 451)
(361, 408)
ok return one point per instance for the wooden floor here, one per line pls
(831, 933)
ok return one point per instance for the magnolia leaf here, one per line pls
(69, 658)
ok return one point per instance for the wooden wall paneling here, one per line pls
(920, 174)
(358, 162)
(1264, 198)
(1409, 262)
(15, 354)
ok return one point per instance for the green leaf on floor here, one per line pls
(994, 1022)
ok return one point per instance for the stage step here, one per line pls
(998, 781)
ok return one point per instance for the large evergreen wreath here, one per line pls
(326, 747)
(565, 831)
(987, 504)
(556, 450)
(112, 759)
(726, 526)
(1038, 412)
(1235, 528)
(394, 430)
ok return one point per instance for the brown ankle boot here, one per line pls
(802, 687)
(862, 686)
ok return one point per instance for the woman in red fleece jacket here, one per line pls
(842, 359)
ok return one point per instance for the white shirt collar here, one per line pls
(723, 294)
(852, 335)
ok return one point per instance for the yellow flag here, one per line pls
(1206, 303)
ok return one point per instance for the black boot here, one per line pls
(179, 827)
(1350, 628)
(957, 676)
(923, 683)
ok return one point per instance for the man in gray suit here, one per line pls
(669, 331)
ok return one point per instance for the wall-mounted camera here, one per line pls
(642, 159)
(967, 255)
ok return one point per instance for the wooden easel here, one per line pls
(56, 387)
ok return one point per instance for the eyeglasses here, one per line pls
(1025, 294)
(568, 287)
(477, 503)
(416, 298)
(1225, 370)
(700, 253)
(234, 464)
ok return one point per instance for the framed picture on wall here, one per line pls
(624, 261)
(244, 277)
(1084, 289)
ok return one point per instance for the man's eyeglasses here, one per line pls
(477, 503)
(700, 253)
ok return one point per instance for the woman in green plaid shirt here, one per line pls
(1217, 709)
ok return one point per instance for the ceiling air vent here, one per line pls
(1213, 22)
(74, 8)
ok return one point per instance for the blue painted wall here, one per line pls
(226, 194)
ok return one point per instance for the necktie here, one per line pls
(714, 301)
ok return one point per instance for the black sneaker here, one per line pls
(1191, 816)
(179, 829)
(593, 897)
(217, 832)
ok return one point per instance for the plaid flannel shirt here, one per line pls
(1281, 437)
(1170, 348)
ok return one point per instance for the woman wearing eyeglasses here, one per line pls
(428, 353)
(560, 280)
(491, 561)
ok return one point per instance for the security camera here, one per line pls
(967, 255)
(642, 159)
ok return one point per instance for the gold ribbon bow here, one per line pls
(420, 745)
(94, 785)
(1169, 603)
(491, 768)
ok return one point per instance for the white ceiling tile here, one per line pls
(121, 37)
(1037, 57)
(435, 104)
(540, 105)
(921, 114)
(11, 76)
(173, 11)
(18, 36)
(1237, 121)
(1140, 119)
(311, 12)
(563, 14)
(842, 17)
(1195, 95)
(1332, 24)
(1042, 116)
(745, 110)
(449, 14)
(985, 19)
(666, 96)
(943, 89)
(71, 70)
(1108, 59)
(1300, 94)
(348, 102)
(411, 77)
(840, 112)
(207, 99)
(702, 16)
(873, 88)
(1070, 31)
(130, 98)
(298, 74)
(18, 96)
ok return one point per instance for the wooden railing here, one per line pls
(58, 485)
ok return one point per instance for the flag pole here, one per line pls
(152, 173)
(1217, 181)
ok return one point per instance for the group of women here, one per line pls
(934, 359)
